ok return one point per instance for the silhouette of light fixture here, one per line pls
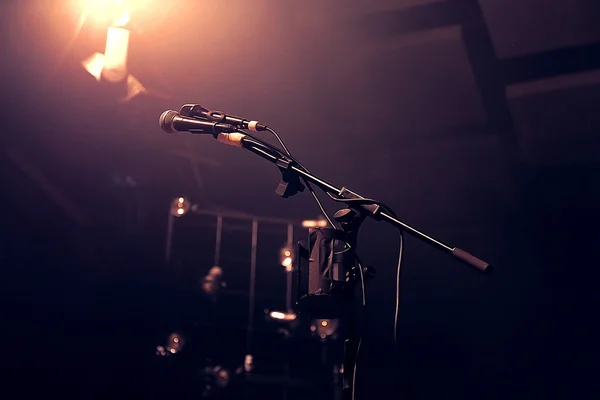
(287, 258)
(180, 206)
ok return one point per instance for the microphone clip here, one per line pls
(290, 182)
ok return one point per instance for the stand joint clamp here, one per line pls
(372, 209)
(290, 182)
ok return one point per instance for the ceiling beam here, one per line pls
(477, 40)
(53, 193)
(564, 61)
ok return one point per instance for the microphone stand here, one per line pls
(290, 184)
(342, 293)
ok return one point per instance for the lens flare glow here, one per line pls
(115, 54)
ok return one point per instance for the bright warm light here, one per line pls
(287, 258)
(94, 64)
(282, 316)
(111, 12)
(314, 223)
(175, 343)
(324, 327)
(277, 315)
(180, 206)
(115, 54)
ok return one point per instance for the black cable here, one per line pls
(283, 146)
(398, 268)
(306, 182)
(364, 325)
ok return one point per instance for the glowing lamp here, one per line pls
(324, 328)
(112, 65)
(180, 206)
(287, 258)
(175, 343)
(115, 54)
(314, 223)
(281, 316)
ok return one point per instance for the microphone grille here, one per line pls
(165, 121)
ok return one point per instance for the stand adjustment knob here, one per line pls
(369, 272)
(345, 215)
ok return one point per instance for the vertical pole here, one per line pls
(252, 286)
(219, 236)
(290, 271)
(169, 243)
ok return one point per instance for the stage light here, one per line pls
(115, 54)
(180, 206)
(112, 66)
(324, 328)
(175, 343)
(281, 316)
(321, 222)
(287, 258)
(107, 12)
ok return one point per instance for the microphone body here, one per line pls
(197, 111)
(170, 121)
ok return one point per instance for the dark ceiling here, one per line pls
(407, 83)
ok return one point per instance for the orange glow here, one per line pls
(180, 206)
(282, 316)
(277, 315)
(287, 258)
(115, 54)
(94, 64)
(314, 223)
(110, 12)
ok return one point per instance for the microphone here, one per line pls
(170, 121)
(197, 111)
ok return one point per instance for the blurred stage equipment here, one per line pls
(281, 316)
(180, 206)
(334, 267)
(175, 343)
(112, 67)
(324, 328)
(286, 258)
(215, 378)
(213, 282)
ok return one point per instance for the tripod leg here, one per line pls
(348, 369)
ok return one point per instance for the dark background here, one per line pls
(476, 120)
